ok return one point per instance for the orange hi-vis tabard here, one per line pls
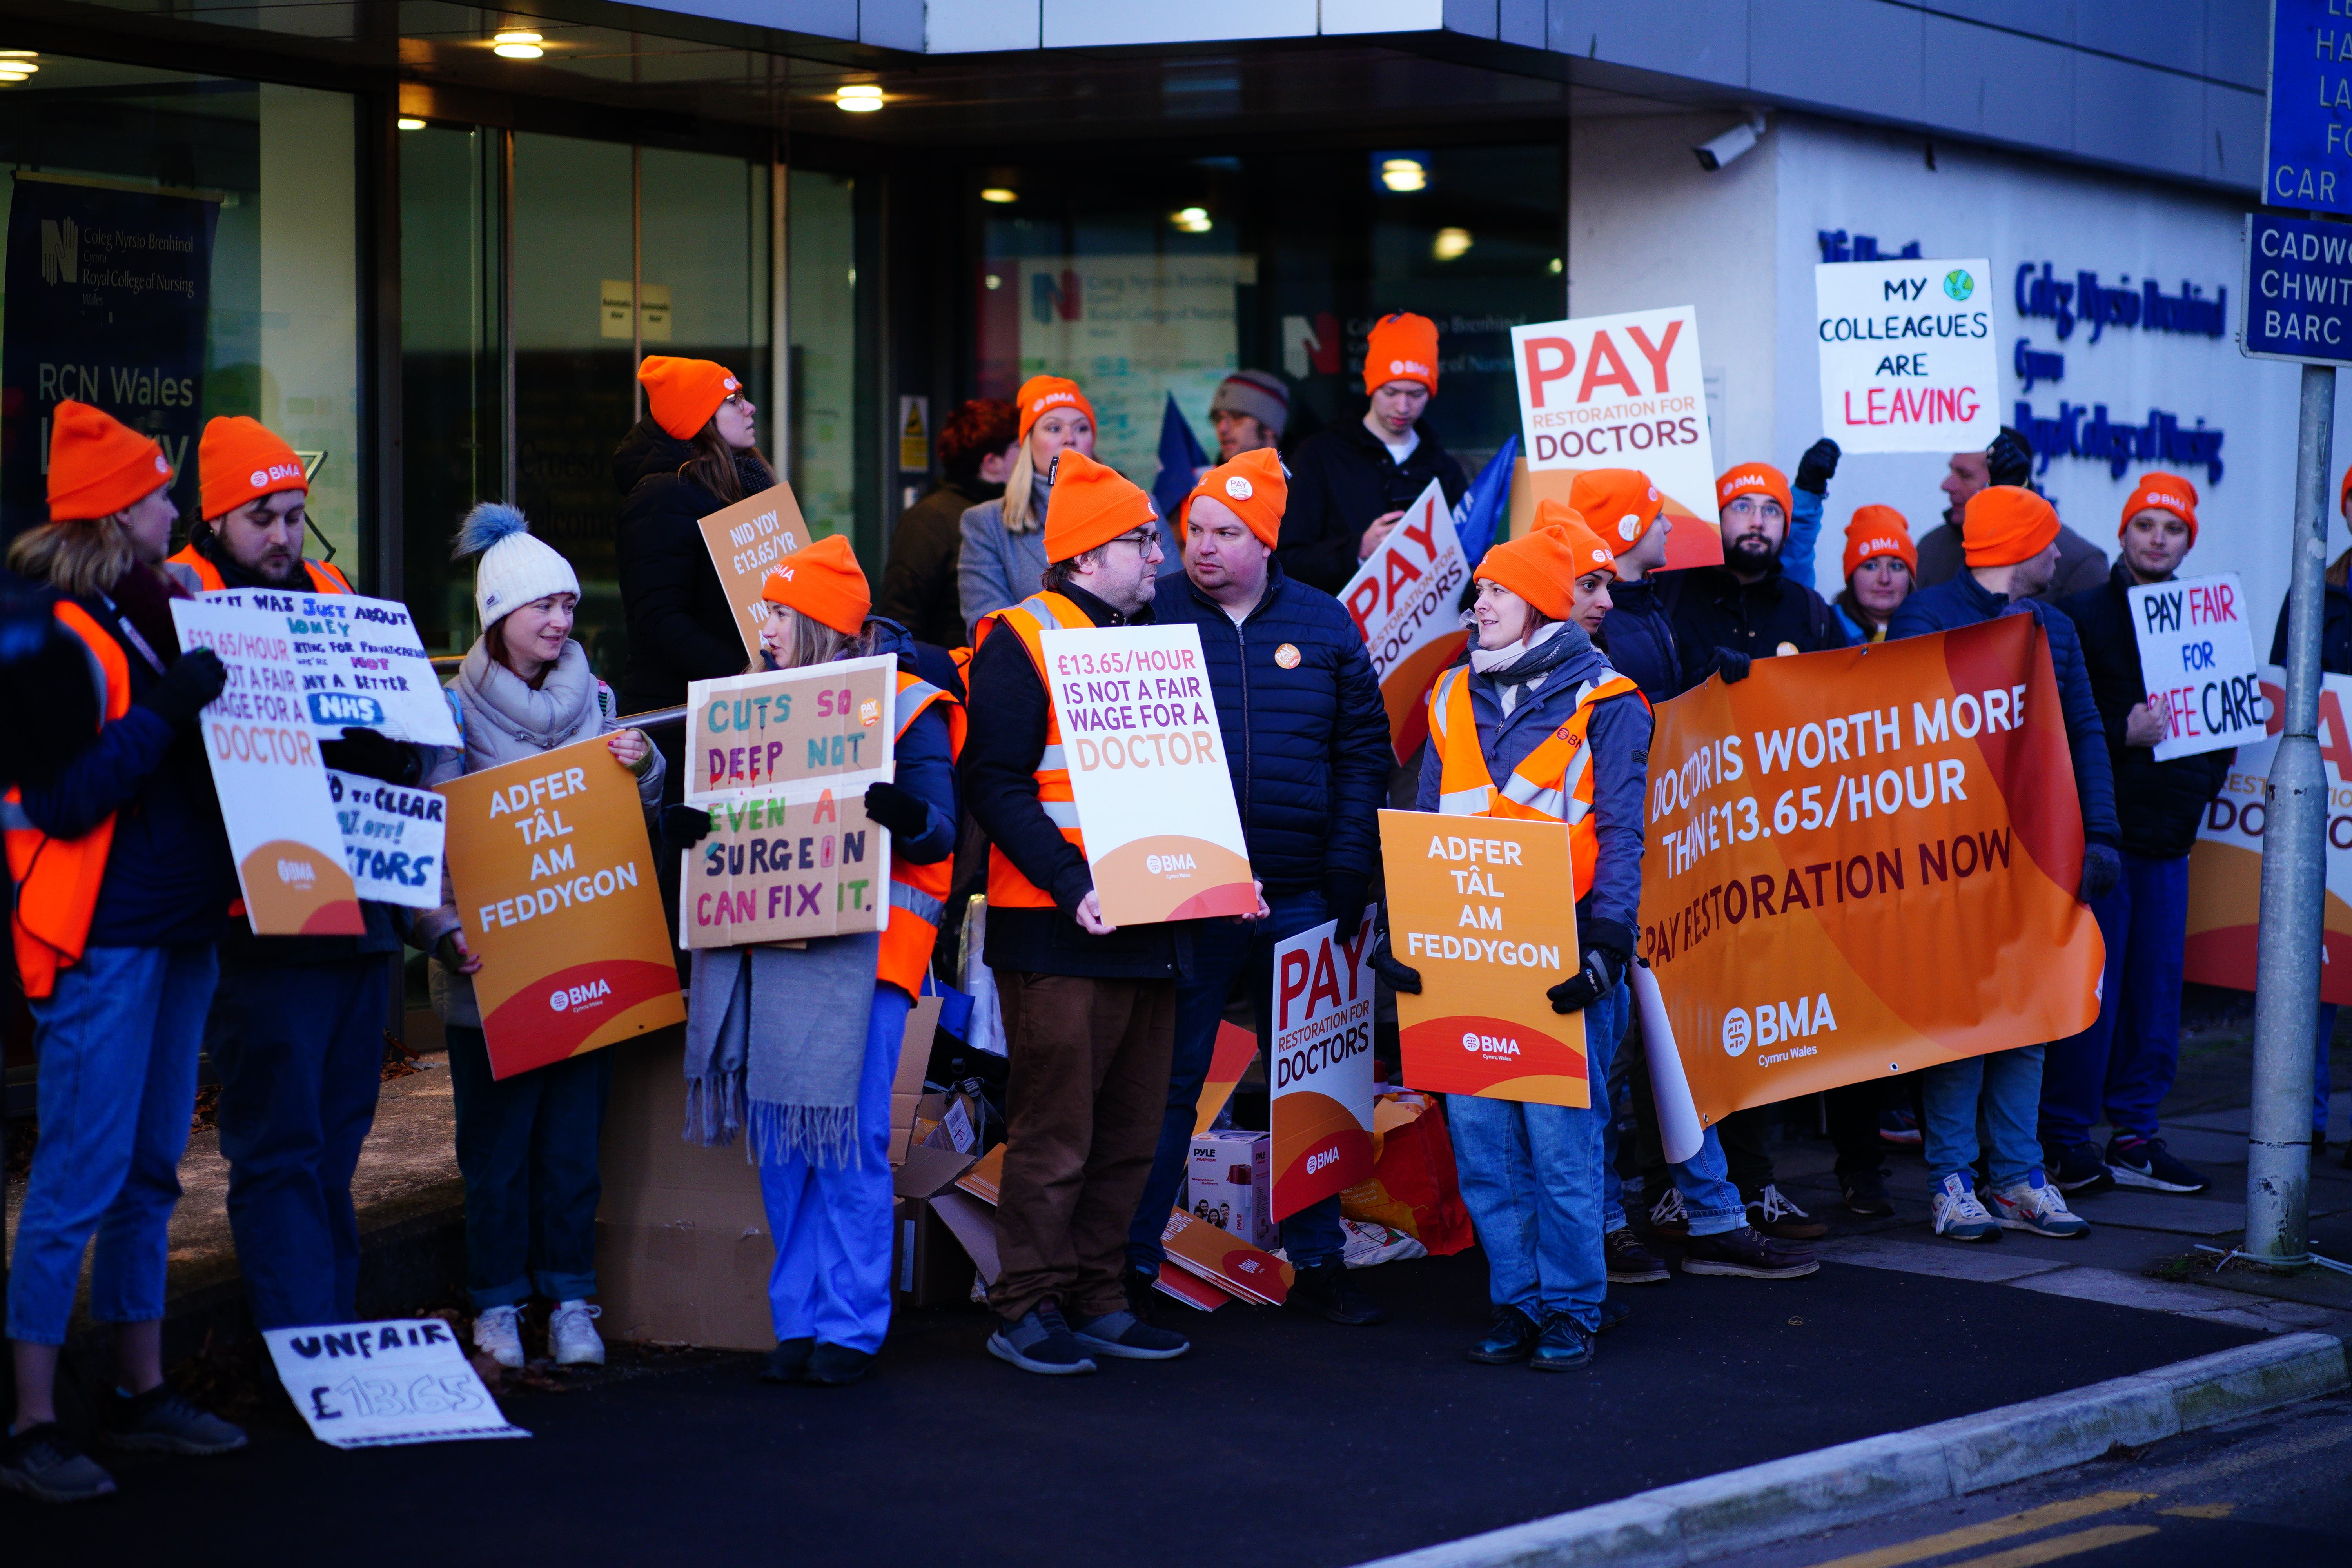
(919, 894)
(1552, 783)
(324, 579)
(1029, 620)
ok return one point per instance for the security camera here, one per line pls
(1714, 155)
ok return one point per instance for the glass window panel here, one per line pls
(823, 238)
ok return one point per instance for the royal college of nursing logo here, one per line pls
(60, 251)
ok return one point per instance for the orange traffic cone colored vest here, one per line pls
(1029, 620)
(324, 579)
(919, 894)
(58, 879)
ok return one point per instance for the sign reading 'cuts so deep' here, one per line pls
(2196, 655)
(1907, 356)
(1148, 773)
(1479, 905)
(1320, 1064)
(1622, 392)
(745, 541)
(554, 882)
(1404, 602)
(758, 734)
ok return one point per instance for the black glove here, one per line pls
(1818, 466)
(683, 827)
(1732, 665)
(371, 754)
(1400, 977)
(1601, 970)
(2009, 459)
(194, 678)
(2101, 868)
(1344, 898)
(903, 812)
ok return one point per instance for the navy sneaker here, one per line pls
(1041, 1343)
(2144, 1162)
(2078, 1169)
(1510, 1339)
(789, 1362)
(160, 1421)
(1129, 1338)
(838, 1366)
(42, 1462)
(1898, 1128)
(1865, 1193)
(1564, 1345)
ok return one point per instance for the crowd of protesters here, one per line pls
(134, 960)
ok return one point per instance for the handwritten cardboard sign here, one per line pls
(829, 726)
(554, 880)
(1319, 1066)
(392, 838)
(779, 871)
(266, 770)
(1405, 602)
(745, 541)
(1907, 358)
(2196, 653)
(363, 664)
(372, 1385)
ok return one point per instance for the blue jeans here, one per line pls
(528, 1147)
(2008, 1084)
(118, 1042)
(1531, 1178)
(832, 1223)
(2123, 1064)
(1710, 1200)
(1224, 951)
(300, 1051)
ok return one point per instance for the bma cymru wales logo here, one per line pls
(60, 251)
(1737, 1032)
(1958, 284)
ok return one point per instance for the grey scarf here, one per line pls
(775, 1043)
(561, 709)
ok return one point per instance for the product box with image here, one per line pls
(1228, 1183)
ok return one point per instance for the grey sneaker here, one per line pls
(1125, 1335)
(42, 1462)
(1041, 1343)
(160, 1421)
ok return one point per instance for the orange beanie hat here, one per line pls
(1588, 550)
(683, 394)
(241, 460)
(1040, 393)
(823, 582)
(1253, 486)
(2162, 492)
(1402, 348)
(1619, 504)
(99, 465)
(1876, 531)
(1754, 479)
(1541, 567)
(1090, 503)
(2005, 524)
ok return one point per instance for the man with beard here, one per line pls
(2081, 565)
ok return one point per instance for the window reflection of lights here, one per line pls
(1450, 244)
(999, 194)
(1192, 220)
(407, 122)
(995, 281)
(858, 98)
(1555, 266)
(518, 51)
(1404, 174)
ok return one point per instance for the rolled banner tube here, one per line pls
(1679, 1127)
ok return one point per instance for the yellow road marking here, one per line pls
(1991, 1529)
(2201, 1510)
(2059, 1546)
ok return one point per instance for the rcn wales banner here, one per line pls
(1620, 392)
(1907, 358)
(109, 295)
(1319, 1067)
(1405, 600)
(1862, 862)
(1148, 773)
(2225, 868)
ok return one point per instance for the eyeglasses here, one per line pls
(1143, 539)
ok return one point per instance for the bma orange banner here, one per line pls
(1862, 862)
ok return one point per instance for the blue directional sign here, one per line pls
(2308, 164)
(2298, 290)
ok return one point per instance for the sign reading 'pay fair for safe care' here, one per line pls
(554, 881)
(1148, 773)
(1479, 905)
(1403, 600)
(745, 541)
(363, 664)
(774, 870)
(1320, 1064)
(371, 1386)
(1907, 356)
(266, 770)
(829, 726)
(2197, 656)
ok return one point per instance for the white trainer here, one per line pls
(2040, 1209)
(571, 1334)
(1667, 1215)
(496, 1333)
(1958, 1215)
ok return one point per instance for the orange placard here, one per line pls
(1862, 862)
(554, 882)
(1236, 1048)
(745, 541)
(1478, 905)
(1319, 1064)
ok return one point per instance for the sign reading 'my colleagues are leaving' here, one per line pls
(1405, 601)
(1907, 353)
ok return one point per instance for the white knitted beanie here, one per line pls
(515, 568)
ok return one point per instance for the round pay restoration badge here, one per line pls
(1286, 656)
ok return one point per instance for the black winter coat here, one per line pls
(2334, 636)
(918, 579)
(2157, 805)
(1307, 744)
(1712, 609)
(1340, 478)
(1638, 639)
(681, 626)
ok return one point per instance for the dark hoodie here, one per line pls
(681, 626)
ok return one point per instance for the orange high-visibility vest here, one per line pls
(919, 894)
(1552, 783)
(1039, 612)
(58, 879)
(324, 579)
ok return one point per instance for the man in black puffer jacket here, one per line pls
(2125, 1062)
(1307, 741)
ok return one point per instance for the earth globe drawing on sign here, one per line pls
(1958, 284)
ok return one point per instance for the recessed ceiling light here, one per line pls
(1404, 174)
(999, 194)
(1450, 243)
(8, 74)
(518, 51)
(407, 122)
(20, 54)
(858, 98)
(516, 36)
(1192, 220)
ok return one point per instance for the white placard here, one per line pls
(1907, 357)
(370, 1386)
(2197, 652)
(1319, 1068)
(392, 838)
(1148, 773)
(1619, 391)
(1405, 601)
(363, 664)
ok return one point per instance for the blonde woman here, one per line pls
(1005, 541)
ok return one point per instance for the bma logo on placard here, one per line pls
(563, 998)
(1169, 865)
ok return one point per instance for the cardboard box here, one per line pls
(907, 1089)
(930, 1268)
(1228, 1183)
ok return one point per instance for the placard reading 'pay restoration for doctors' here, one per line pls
(1480, 905)
(745, 541)
(792, 732)
(554, 882)
(371, 1386)
(266, 770)
(1907, 357)
(362, 663)
(2197, 656)
(1319, 1064)
(1405, 601)
(1148, 773)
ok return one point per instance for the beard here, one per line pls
(1750, 553)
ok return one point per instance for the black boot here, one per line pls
(1510, 1339)
(1324, 1288)
(789, 1362)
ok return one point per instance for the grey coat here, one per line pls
(998, 569)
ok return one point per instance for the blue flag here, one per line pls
(1180, 456)
(1483, 506)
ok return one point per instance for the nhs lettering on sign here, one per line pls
(2298, 289)
(2307, 163)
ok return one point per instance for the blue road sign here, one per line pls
(2308, 163)
(2298, 290)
